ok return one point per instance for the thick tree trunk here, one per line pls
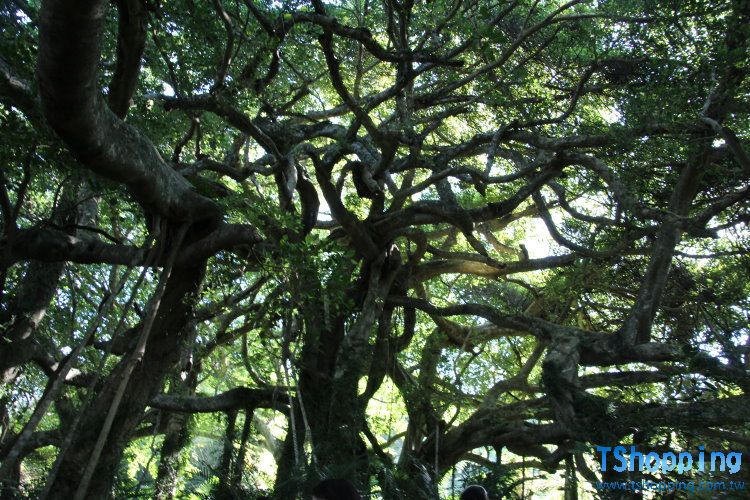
(176, 437)
(38, 290)
(171, 461)
(315, 405)
(68, 66)
(162, 352)
(224, 490)
(290, 465)
(131, 41)
(412, 481)
(571, 481)
(334, 358)
(238, 467)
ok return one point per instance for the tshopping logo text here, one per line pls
(621, 460)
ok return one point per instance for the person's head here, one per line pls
(335, 489)
(474, 492)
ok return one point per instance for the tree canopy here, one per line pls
(247, 245)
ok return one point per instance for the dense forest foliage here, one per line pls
(250, 244)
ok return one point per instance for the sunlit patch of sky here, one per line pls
(172, 28)
(714, 350)
(538, 241)
(611, 115)
(22, 17)
(725, 238)
(324, 211)
(167, 89)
